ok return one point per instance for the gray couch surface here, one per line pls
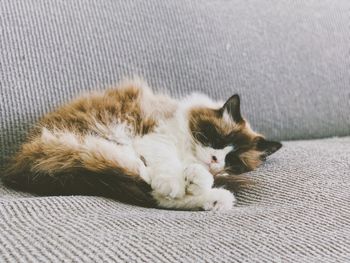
(289, 61)
(298, 212)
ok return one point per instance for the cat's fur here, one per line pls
(139, 147)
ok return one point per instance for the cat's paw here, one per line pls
(170, 187)
(197, 179)
(219, 200)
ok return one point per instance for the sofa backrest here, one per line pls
(289, 60)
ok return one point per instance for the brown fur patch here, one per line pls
(56, 158)
(114, 105)
(210, 128)
(204, 116)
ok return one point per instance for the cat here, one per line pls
(142, 148)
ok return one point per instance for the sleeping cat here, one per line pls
(139, 147)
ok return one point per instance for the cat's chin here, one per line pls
(208, 166)
(213, 169)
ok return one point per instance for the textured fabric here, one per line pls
(289, 60)
(298, 212)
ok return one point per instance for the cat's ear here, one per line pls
(269, 147)
(232, 107)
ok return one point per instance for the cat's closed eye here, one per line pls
(210, 136)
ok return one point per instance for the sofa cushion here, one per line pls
(298, 212)
(289, 60)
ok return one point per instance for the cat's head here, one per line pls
(223, 138)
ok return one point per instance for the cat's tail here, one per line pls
(63, 164)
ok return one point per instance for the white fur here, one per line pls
(205, 155)
(198, 179)
(119, 132)
(180, 171)
(214, 199)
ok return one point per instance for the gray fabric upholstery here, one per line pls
(288, 59)
(298, 212)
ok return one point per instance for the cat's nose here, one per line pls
(214, 159)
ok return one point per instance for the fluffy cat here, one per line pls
(138, 147)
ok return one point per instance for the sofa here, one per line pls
(288, 60)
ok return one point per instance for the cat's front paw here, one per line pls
(219, 200)
(197, 179)
(170, 187)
